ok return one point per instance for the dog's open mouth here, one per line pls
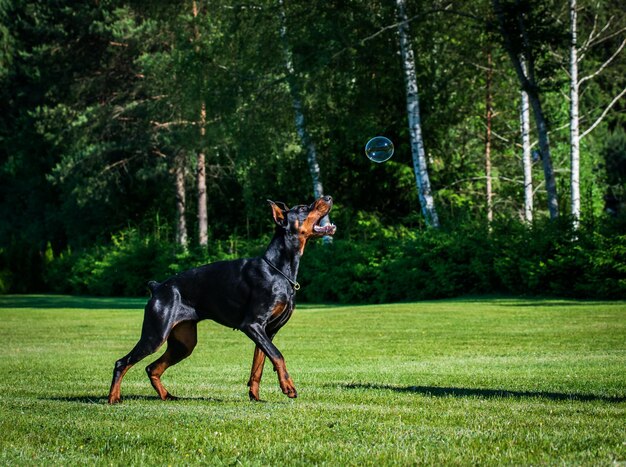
(328, 229)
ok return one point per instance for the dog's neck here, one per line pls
(284, 253)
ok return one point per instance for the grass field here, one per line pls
(494, 381)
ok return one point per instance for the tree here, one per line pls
(576, 53)
(517, 23)
(488, 130)
(203, 218)
(574, 129)
(181, 199)
(527, 163)
(414, 118)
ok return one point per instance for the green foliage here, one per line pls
(109, 270)
(614, 155)
(128, 262)
(377, 265)
(98, 98)
(545, 258)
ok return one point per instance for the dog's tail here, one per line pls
(152, 285)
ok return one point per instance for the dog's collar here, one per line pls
(293, 283)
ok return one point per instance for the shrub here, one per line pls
(379, 265)
(125, 265)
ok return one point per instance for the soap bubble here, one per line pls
(379, 149)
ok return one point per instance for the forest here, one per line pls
(138, 139)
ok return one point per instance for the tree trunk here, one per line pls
(415, 126)
(528, 84)
(301, 128)
(179, 180)
(527, 162)
(307, 144)
(488, 118)
(574, 127)
(546, 158)
(203, 218)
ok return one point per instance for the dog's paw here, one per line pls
(288, 388)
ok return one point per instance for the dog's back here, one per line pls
(217, 291)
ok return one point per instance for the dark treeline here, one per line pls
(141, 138)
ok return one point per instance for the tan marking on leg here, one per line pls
(115, 392)
(278, 310)
(180, 344)
(285, 381)
(258, 362)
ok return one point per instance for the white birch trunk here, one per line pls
(488, 122)
(179, 185)
(305, 138)
(415, 126)
(203, 218)
(527, 163)
(574, 120)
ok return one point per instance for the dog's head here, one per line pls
(304, 221)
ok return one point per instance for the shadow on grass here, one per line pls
(104, 399)
(564, 303)
(68, 301)
(484, 393)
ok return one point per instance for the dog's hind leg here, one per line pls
(142, 349)
(154, 331)
(180, 343)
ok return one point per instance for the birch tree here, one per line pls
(517, 41)
(420, 167)
(488, 121)
(527, 163)
(574, 130)
(181, 200)
(577, 53)
(203, 218)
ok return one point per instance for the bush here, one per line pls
(546, 258)
(380, 265)
(124, 267)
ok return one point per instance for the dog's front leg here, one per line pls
(256, 332)
(255, 374)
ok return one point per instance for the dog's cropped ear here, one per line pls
(279, 212)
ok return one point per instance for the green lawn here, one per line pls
(493, 381)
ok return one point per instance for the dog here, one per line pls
(253, 295)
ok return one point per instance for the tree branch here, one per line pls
(475, 179)
(167, 125)
(122, 162)
(590, 40)
(606, 38)
(158, 153)
(445, 9)
(603, 114)
(591, 34)
(604, 65)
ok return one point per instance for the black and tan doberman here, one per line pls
(254, 295)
